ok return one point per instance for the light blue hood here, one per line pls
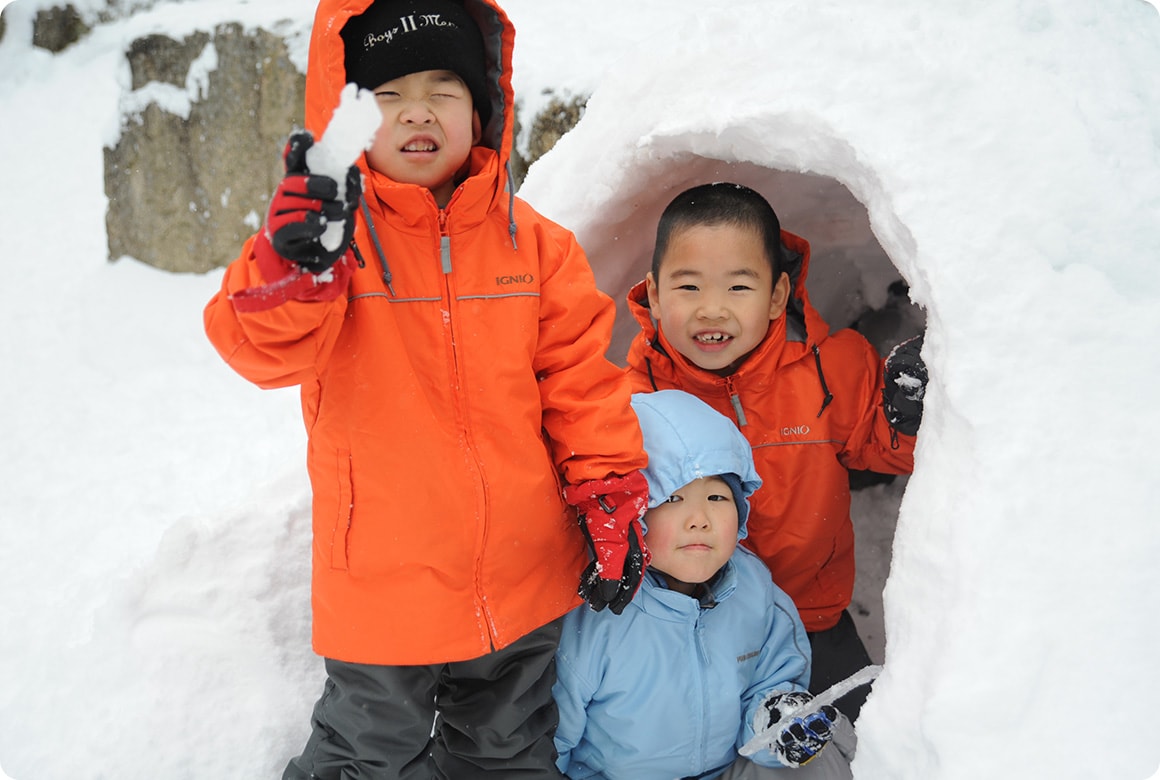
(686, 439)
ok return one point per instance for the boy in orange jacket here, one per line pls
(724, 315)
(450, 351)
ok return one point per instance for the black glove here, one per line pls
(904, 386)
(304, 205)
(610, 511)
(804, 737)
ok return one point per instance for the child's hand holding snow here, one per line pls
(797, 739)
(311, 217)
(305, 251)
(305, 205)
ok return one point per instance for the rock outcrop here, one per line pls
(185, 190)
(57, 28)
(558, 117)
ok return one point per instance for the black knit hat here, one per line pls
(395, 38)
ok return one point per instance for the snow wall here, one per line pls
(1008, 156)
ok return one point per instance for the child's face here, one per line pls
(693, 533)
(715, 294)
(429, 126)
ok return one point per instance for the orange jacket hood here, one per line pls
(326, 72)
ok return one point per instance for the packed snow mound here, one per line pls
(1008, 157)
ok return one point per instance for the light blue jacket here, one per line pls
(670, 687)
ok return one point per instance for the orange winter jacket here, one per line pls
(809, 402)
(444, 408)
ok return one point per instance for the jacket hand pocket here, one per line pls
(340, 532)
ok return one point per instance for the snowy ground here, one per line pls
(154, 506)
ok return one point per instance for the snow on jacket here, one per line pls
(810, 403)
(444, 408)
(670, 687)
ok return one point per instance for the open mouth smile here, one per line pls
(714, 339)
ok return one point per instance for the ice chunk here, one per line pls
(766, 738)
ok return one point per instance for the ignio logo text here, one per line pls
(797, 430)
(504, 281)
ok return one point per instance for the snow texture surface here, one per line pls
(154, 507)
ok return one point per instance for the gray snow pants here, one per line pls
(489, 717)
(838, 652)
(832, 764)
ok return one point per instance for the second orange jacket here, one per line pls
(810, 403)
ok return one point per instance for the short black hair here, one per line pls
(721, 203)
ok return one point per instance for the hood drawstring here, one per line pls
(362, 263)
(511, 188)
(827, 396)
(652, 380)
(378, 245)
(366, 212)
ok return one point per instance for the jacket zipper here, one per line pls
(735, 400)
(703, 657)
(444, 243)
(445, 264)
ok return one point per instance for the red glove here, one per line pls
(610, 511)
(291, 282)
(305, 205)
(291, 251)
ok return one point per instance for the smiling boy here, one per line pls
(725, 315)
(721, 294)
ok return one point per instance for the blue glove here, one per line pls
(800, 741)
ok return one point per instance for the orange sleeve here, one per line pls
(586, 398)
(282, 346)
(873, 445)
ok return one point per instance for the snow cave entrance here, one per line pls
(852, 282)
